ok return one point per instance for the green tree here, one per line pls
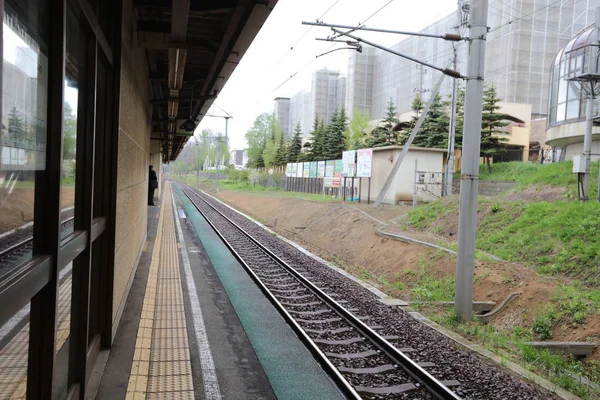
(417, 107)
(492, 122)
(317, 141)
(460, 117)
(383, 134)
(356, 131)
(334, 142)
(70, 133)
(295, 148)
(15, 124)
(281, 153)
(435, 128)
(257, 137)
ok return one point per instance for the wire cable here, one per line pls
(327, 51)
(303, 35)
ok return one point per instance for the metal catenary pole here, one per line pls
(469, 180)
(406, 146)
(452, 135)
(197, 166)
(587, 146)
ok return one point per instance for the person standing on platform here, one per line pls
(152, 185)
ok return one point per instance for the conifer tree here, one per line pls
(15, 125)
(383, 135)
(334, 135)
(281, 153)
(460, 118)
(416, 107)
(492, 122)
(318, 140)
(435, 128)
(295, 147)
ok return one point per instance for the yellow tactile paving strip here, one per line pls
(161, 367)
(13, 357)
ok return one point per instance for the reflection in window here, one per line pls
(23, 136)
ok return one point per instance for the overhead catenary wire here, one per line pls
(327, 51)
(526, 15)
(304, 35)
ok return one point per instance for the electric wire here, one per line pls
(303, 35)
(327, 51)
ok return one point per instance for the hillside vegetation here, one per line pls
(530, 174)
(553, 237)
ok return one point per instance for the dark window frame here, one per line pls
(37, 279)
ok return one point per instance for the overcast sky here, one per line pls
(269, 61)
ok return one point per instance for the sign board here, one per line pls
(349, 163)
(288, 170)
(331, 182)
(364, 160)
(299, 170)
(329, 168)
(180, 128)
(306, 172)
(337, 172)
(313, 169)
(320, 169)
(294, 170)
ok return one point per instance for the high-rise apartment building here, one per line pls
(328, 93)
(524, 38)
(281, 108)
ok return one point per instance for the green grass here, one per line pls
(560, 237)
(427, 286)
(557, 237)
(510, 345)
(532, 174)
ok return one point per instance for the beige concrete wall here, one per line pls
(134, 150)
(156, 161)
(402, 187)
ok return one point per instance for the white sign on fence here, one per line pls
(364, 160)
(320, 169)
(299, 170)
(349, 163)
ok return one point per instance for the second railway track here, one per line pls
(364, 363)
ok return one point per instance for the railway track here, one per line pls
(364, 363)
(16, 251)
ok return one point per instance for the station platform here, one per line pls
(195, 326)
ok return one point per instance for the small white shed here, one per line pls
(429, 160)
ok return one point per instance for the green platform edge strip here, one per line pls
(289, 366)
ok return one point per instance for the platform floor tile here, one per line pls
(161, 367)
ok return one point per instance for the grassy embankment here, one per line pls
(558, 238)
(259, 189)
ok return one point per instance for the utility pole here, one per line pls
(452, 134)
(469, 180)
(197, 163)
(589, 113)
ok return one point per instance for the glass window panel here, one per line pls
(573, 91)
(74, 59)
(560, 112)
(23, 134)
(573, 109)
(552, 118)
(562, 90)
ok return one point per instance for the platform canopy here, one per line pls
(192, 48)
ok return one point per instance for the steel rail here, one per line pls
(23, 243)
(433, 385)
(343, 384)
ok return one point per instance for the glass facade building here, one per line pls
(568, 102)
(524, 38)
(328, 93)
